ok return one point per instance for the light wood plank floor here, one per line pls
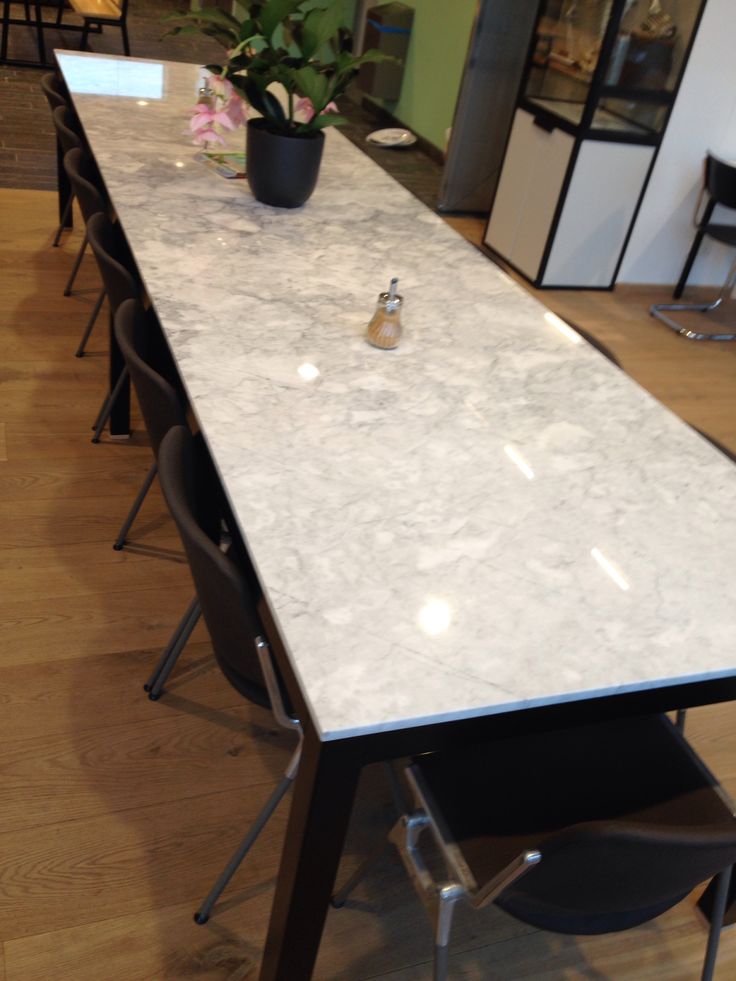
(115, 812)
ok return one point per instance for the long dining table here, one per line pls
(490, 529)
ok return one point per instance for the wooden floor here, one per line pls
(116, 813)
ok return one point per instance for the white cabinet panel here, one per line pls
(597, 213)
(530, 186)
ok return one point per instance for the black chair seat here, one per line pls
(726, 234)
(506, 797)
(588, 830)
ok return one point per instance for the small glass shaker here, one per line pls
(204, 96)
(384, 330)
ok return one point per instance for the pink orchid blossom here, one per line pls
(304, 105)
(225, 110)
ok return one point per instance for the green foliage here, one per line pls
(301, 44)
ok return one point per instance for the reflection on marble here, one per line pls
(416, 570)
(124, 78)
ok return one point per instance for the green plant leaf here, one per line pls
(208, 15)
(260, 98)
(314, 86)
(245, 43)
(373, 54)
(248, 28)
(210, 20)
(320, 25)
(274, 12)
(322, 121)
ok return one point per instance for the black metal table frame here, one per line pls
(324, 789)
(328, 776)
(39, 24)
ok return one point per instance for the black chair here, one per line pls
(69, 137)
(582, 831)
(121, 281)
(163, 405)
(84, 179)
(53, 90)
(719, 187)
(102, 13)
(230, 601)
(157, 385)
(56, 97)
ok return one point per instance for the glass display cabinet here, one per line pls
(600, 81)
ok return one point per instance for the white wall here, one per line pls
(704, 118)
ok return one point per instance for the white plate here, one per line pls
(392, 137)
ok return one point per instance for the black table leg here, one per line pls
(120, 414)
(320, 811)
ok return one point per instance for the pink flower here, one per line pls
(224, 110)
(237, 110)
(305, 105)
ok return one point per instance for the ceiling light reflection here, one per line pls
(434, 617)
(519, 461)
(142, 102)
(609, 568)
(308, 371)
(565, 329)
(179, 163)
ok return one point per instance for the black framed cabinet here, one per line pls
(599, 84)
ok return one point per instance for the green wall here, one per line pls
(434, 67)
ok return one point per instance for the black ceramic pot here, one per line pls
(282, 170)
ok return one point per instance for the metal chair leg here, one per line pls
(660, 312)
(126, 41)
(79, 353)
(723, 880)
(178, 639)
(85, 35)
(168, 665)
(64, 219)
(203, 913)
(448, 897)
(77, 264)
(104, 413)
(680, 719)
(136, 506)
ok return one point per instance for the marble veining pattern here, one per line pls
(490, 517)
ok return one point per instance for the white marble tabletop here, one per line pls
(490, 517)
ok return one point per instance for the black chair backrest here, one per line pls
(227, 596)
(83, 177)
(117, 267)
(53, 91)
(66, 129)
(720, 179)
(152, 370)
(611, 875)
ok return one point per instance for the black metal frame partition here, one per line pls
(584, 131)
(38, 23)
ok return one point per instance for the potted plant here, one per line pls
(303, 46)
